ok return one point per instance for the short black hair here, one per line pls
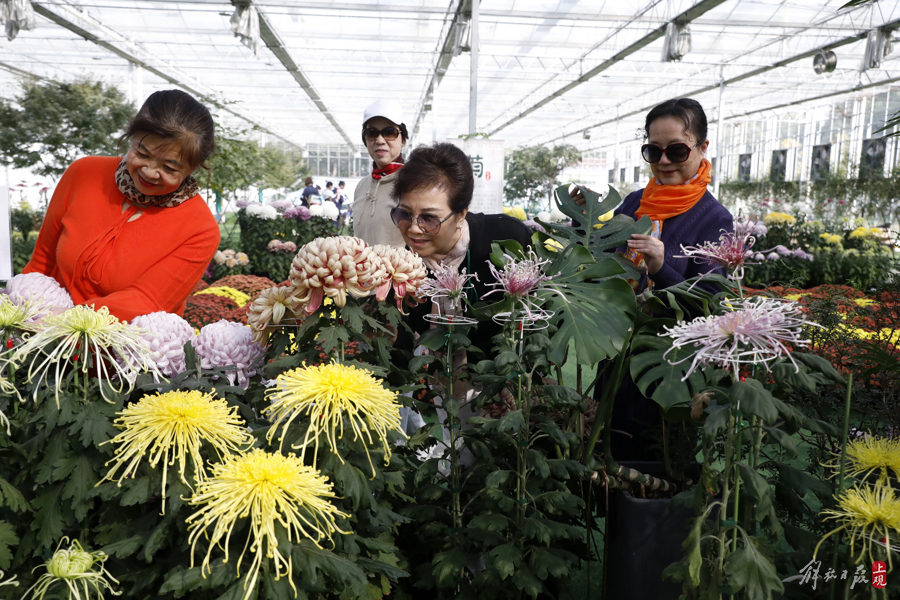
(443, 166)
(341, 183)
(328, 184)
(687, 109)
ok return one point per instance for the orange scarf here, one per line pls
(660, 202)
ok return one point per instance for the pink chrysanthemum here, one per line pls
(519, 279)
(166, 337)
(758, 331)
(405, 273)
(732, 251)
(445, 282)
(281, 204)
(39, 288)
(275, 246)
(333, 267)
(226, 343)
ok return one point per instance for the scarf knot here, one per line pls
(661, 202)
(386, 170)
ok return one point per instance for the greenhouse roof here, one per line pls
(548, 70)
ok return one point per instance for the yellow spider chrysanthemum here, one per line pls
(75, 567)
(779, 218)
(328, 394)
(873, 455)
(171, 427)
(114, 348)
(14, 317)
(269, 489)
(869, 514)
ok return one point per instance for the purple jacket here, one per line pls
(704, 222)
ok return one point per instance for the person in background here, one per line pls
(309, 190)
(328, 192)
(384, 134)
(133, 233)
(684, 213)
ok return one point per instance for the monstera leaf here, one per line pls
(652, 369)
(613, 233)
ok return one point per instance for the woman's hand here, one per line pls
(653, 250)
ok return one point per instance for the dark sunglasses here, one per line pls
(388, 133)
(676, 153)
(429, 224)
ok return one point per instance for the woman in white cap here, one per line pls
(384, 135)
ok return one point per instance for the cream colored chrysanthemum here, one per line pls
(333, 267)
(327, 395)
(17, 317)
(75, 567)
(270, 307)
(97, 340)
(405, 272)
(171, 427)
(869, 514)
(873, 455)
(269, 489)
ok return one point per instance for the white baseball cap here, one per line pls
(389, 109)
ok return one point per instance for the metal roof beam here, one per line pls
(442, 63)
(273, 42)
(808, 54)
(687, 16)
(82, 24)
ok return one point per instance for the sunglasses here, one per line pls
(676, 153)
(388, 133)
(429, 224)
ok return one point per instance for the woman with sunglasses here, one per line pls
(683, 211)
(384, 135)
(433, 192)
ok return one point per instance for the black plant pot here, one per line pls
(642, 539)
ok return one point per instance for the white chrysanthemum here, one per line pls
(226, 343)
(270, 307)
(38, 287)
(316, 210)
(330, 210)
(557, 216)
(219, 257)
(166, 337)
(332, 267)
(262, 211)
(543, 216)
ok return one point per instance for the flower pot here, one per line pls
(642, 539)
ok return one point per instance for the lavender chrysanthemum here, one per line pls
(447, 282)
(37, 287)
(226, 343)
(297, 212)
(731, 252)
(168, 333)
(281, 205)
(758, 331)
(241, 203)
(535, 225)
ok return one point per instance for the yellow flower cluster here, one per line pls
(873, 455)
(779, 218)
(864, 302)
(268, 488)
(865, 232)
(329, 394)
(891, 336)
(794, 297)
(831, 238)
(868, 513)
(228, 292)
(516, 211)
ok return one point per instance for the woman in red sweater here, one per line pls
(133, 234)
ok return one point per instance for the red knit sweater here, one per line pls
(134, 268)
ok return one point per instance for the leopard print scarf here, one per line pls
(188, 189)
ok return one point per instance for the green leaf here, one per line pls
(54, 450)
(750, 570)
(311, 561)
(48, 520)
(13, 497)
(691, 547)
(527, 582)
(490, 522)
(138, 491)
(499, 478)
(80, 473)
(448, 565)
(94, 424)
(352, 483)
(716, 421)
(546, 563)
(535, 528)
(127, 547)
(753, 399)
(783, 438)
(381, 568)
(8, 538)
(591, 309)
(506, 559)
(538, 462)
(654, 369)
(802, 482)
(511, 422)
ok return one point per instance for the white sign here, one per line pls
(486, 157)
(6, 270)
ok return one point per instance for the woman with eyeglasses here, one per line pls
(433, 192)
(683, 211)
(384, 134)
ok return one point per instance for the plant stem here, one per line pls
(726, 492)
(840, 482)
(454, 471)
